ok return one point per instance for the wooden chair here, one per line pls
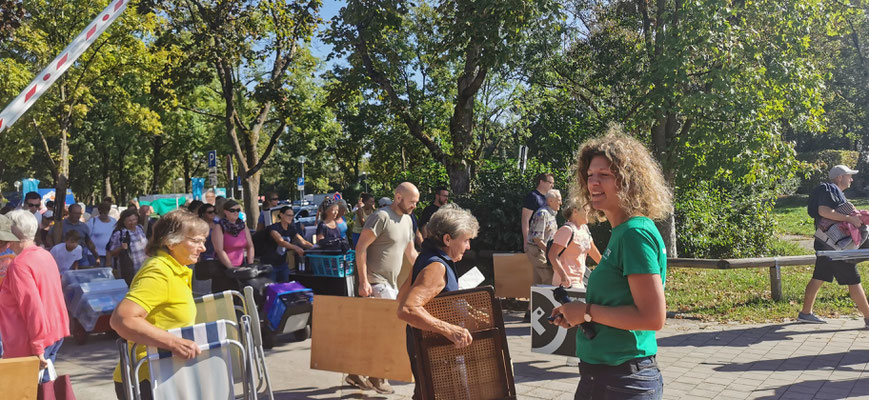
(482, 370)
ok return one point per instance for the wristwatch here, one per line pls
(587, 316)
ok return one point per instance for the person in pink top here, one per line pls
(571, 245)
(33, 316)
(231, 240)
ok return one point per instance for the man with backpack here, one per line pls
(540, 233)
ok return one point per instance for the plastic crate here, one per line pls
(284, 307)
(77, 295)
(95, 305)
(338, 265)
(79, 276)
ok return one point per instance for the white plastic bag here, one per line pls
(52, 374)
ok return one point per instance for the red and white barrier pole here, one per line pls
(67, 57)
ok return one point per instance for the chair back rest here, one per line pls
(208, 376)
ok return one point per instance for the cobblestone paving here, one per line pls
(699, 361)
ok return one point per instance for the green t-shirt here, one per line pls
(636, 247)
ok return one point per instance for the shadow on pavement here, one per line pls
(343, 392)
(738, 337)
(847, 389)
(804, 363)
(526, 371)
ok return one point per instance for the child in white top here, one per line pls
(67, 254)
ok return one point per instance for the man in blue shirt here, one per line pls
(828, 202)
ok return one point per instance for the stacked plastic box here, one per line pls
(92, 293)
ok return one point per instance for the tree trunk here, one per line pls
(185, 164)
(122, 178)
(251, 195)
(460, 177)
(61, 183)
(155, 162)
(107, 179)
(662, 133)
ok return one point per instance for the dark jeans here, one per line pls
(144, 388)
(51, 354)
(280, 273)
(635, 380)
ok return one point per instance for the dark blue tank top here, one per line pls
(431, 254)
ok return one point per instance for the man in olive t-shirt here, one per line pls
(387, 236)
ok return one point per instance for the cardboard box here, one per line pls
(545, 337)
(361, 336)
(18, 378)
(513, 275)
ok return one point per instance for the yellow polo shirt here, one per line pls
(163, 288)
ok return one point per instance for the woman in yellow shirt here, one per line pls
(160, 296)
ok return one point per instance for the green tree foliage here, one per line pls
(428, 61)
(252, 48)
(707, 85)
(115, 71)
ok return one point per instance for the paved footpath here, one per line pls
(699, 360)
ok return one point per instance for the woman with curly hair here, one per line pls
(619, 179)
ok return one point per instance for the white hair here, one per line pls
(25, 222)
(553, 194)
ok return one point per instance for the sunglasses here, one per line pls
(234, 210)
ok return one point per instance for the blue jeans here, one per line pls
(645, 383)
(51, 354)
(280, 273)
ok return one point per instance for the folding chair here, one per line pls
(258, 353)
(200, 378)
(480, 371)
(217, 306)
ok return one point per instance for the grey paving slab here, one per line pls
(699, 360)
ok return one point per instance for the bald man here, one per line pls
(386, 237)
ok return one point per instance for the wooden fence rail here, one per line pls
(773, 263)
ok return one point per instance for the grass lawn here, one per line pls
(744, 294)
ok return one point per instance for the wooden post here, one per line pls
(775, 281)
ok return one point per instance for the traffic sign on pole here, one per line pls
(212, 159)
(300, 183)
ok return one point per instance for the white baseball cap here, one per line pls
(840, 170)
(6, 234)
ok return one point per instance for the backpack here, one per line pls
(549, 247)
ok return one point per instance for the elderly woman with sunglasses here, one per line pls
(232, 241)
(284, 237)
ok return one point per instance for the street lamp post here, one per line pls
(302, 188)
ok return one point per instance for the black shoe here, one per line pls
(527, 317)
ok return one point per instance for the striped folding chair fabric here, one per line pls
(220, 306)
(208, 376)
(259, 358)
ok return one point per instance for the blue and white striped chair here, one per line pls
(208, 376)
(217, 306)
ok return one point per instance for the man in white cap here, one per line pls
(827, 204)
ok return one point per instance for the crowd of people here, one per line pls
(617, 180)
